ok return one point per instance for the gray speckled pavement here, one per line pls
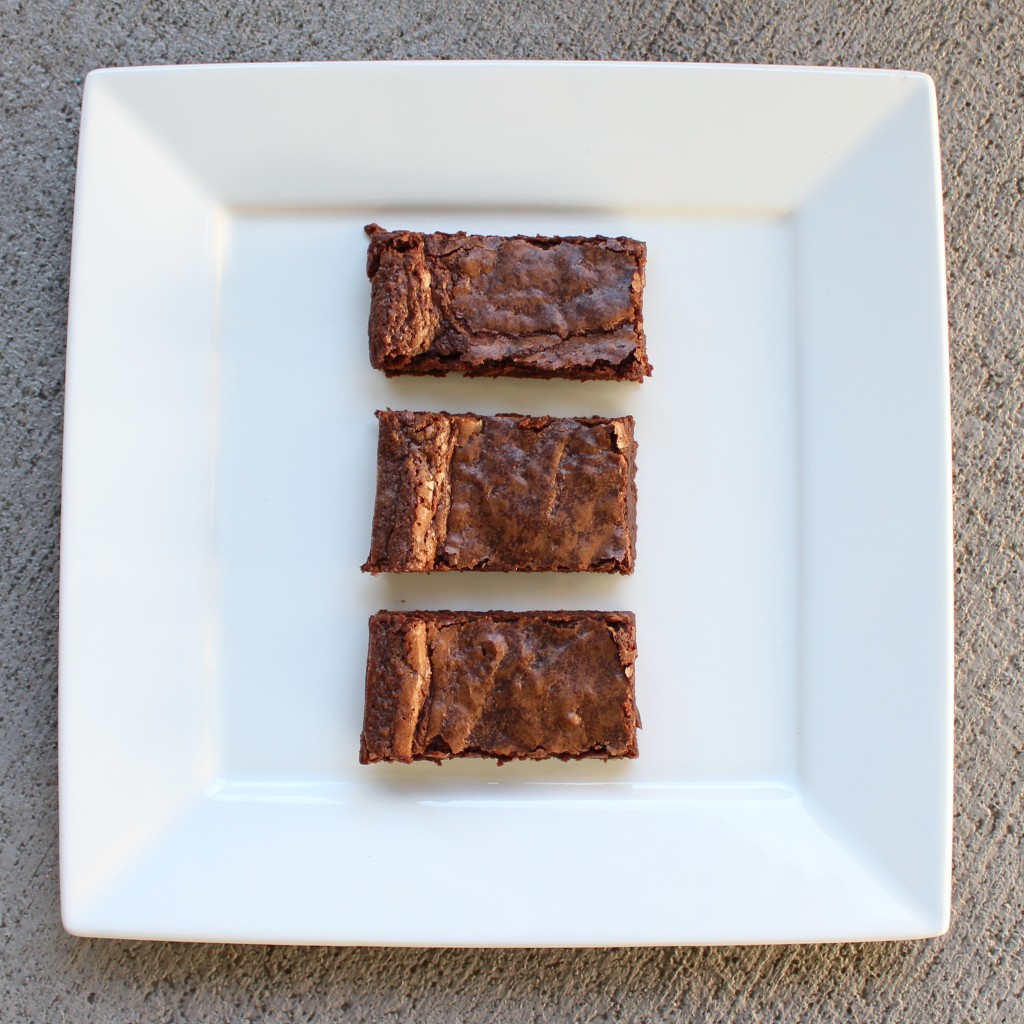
(976, 973)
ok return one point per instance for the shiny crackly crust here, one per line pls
(505, 685)
(519, 306)
(503, 493)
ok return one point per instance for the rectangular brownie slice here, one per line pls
(503, 493)
(490, 306)
(507, 685)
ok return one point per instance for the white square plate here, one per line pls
(793, 585)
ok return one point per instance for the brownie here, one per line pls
(507, 685)
(503, 493)
(519, 306)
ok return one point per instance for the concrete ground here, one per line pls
(975, 973)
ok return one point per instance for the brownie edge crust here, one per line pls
(512, 306)
(503, 685)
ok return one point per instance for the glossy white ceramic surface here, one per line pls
(793, 582)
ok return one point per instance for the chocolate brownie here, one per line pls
(503, 493)
(519, 306)
(507, 685)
